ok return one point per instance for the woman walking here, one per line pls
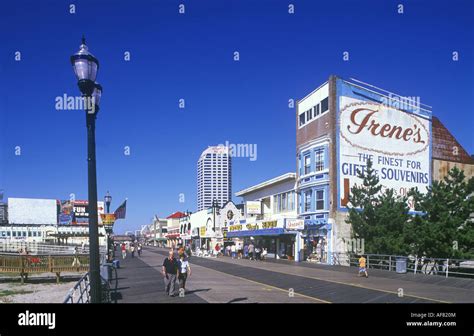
(184, 273)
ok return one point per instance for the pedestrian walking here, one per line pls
(362, 266)
(251, 251)
(258, 252)
(124, 251)
(264, 253)
(228, 250)
(233, 251)
(188, 251)
(170, 270)
(139, 250)
(246, 251)
(184, 273)
(76, 262)
(132, 249)
(217, 250)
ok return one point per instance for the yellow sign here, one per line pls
(108, 219)
(269, 225)
(252, 227)
(202, 231)
(235, 227)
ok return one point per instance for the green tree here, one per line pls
(377, 216)
(444, 229)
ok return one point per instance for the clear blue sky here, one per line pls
(190, 56)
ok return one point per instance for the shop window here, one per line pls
(320, 200)
(307, 164)
(319, 159)
(307, 200)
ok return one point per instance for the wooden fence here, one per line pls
(28, 264)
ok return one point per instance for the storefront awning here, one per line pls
(262, 232)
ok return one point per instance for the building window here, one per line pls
(291, 201)
(307, 200)
(316, 110)
(324, 105)
(302, 121)
(320, 200)
(283, 202)
(309, 115)
(319, 159)
(307, 164)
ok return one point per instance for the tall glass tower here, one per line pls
(214, 171)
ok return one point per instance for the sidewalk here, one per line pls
(140, 283)
(412, 287)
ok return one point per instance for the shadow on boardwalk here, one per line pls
(141, 283)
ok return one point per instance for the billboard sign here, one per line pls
(65, 212)
(397, 141)
(32, 211)
(81, 212)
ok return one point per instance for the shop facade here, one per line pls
(270, 210)
(340, 126)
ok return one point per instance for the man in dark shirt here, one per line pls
(170, 271)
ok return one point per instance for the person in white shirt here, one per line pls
(233, 250)
(184, 272)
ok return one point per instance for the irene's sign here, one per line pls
(397, 143)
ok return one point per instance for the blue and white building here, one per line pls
(339, 127)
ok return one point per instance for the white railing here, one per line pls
(14, 247)
(446, 267)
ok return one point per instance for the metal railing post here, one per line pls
(447, 267)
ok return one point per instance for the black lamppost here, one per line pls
(108, 200)
(108, 228)
(85, 67)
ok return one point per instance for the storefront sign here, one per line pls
(397, 142)
(252, 226)
(202, 231)
(253, 207)
(235, 227)
(295, 224)
(269, 224)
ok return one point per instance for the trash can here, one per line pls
(106, 271)
(401, 265)
(116, 263)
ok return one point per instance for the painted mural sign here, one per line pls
(397, 142)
